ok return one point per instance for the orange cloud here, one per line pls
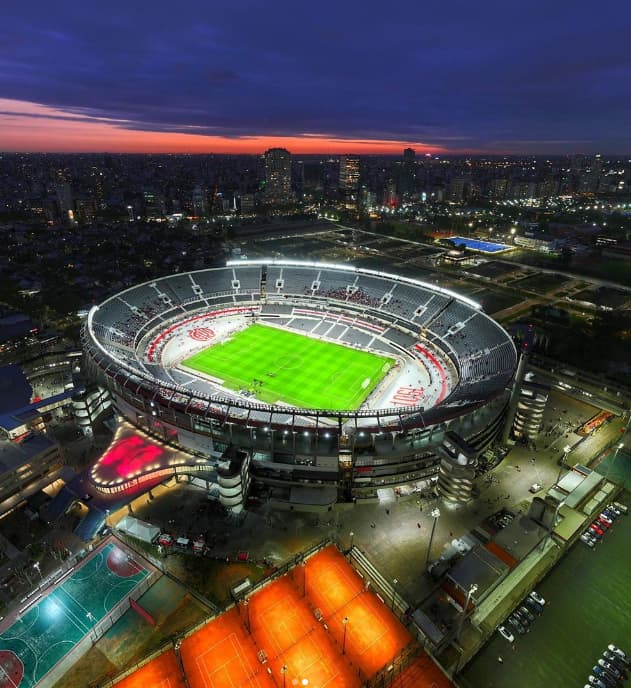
(30, 127)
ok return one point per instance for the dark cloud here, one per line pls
(467, 75)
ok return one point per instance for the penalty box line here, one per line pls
(238, 654)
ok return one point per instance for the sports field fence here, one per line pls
(96, 632)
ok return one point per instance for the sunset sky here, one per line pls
(242, 76)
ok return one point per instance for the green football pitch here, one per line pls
(280, 366)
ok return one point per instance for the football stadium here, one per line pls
(306, 383)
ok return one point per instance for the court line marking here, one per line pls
(76, 601)
(331, 581)
(15, 685)
(320, 659)
(238, 654)
(271, 628)
(70, 614)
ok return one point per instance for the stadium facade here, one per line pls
(452, 373)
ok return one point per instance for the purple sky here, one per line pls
(490, 76)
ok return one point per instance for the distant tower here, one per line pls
(65, 201)
(277, 177)
(199, 201)
(407, 176)
(349, 180)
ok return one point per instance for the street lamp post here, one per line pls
(566, 450)
(619, 446)
(435, 516)
(283, 671)
(556, 516)
(394, 592)
(352, 535)
(345, 624)
(473, 588)
(246, 604)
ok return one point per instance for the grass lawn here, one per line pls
(280, 366)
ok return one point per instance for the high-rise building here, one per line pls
(349, 172)
(277, 177)
(349, 180)
(407, 176)
(199, 202)
(65, 201)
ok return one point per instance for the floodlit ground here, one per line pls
(277, 365)
(374, 636)
(222, 654)
(161, 672)
(318, 626)
(41, 636)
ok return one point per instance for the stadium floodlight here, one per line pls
(345, 621)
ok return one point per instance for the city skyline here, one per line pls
(246, 78)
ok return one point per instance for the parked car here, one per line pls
(535, 607)
(505, 633)
(516, 624)
(527, 613)
(588, 539)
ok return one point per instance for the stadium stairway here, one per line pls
(89, 525)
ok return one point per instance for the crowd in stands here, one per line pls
(358, 296)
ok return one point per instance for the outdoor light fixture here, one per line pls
(394, 592)
(435, 516)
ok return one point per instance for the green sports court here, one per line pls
(280, 366)
(49, 629)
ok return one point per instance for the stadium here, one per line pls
(305, 383)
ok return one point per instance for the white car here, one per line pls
(590, 542)
(537, 597)
(619, 652)
(505, 633)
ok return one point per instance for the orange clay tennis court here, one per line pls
(374, 636)
(223, 655)
(161, 672)
(285, 626)
(284, 637)
(421, 673)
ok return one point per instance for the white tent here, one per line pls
(138, 529)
